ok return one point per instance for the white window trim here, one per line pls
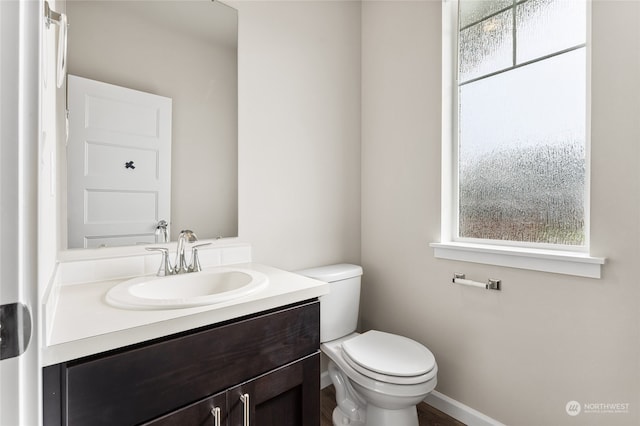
(555, 261)
(578, 262)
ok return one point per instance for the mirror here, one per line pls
(185, 50)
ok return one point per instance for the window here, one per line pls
(519, 172)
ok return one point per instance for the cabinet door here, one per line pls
(288, 396)
(210, 411)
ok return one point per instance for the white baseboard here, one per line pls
(459, 411)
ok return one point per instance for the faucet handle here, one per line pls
(165, 266)
(195, 261)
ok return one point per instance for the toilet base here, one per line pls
(353, 410)
(382, 417)
(340, 419)
(379, 417)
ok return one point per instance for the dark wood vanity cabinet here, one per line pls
(266, 366)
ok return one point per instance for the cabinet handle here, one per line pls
(216, 416)
(245, 400)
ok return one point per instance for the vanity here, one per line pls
(251, 360)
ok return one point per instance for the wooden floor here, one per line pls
(427, 415)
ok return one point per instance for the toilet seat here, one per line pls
(389, 358)
(388, 386)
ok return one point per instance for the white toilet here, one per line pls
(379, 377)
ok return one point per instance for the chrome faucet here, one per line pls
(180, 265)
(162, 233)
(186, 236)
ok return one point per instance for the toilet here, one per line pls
(379, 377)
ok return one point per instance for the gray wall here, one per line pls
(520, 355)
(299, 84)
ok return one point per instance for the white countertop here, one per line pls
(84, 324)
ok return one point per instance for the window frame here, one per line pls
(555, 258)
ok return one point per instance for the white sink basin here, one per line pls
(206, 287)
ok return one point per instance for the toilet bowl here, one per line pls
(388, 387)
(379, 377)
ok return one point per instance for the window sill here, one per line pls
(559, 262)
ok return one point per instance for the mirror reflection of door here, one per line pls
(119, 164)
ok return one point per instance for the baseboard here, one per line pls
(459, 411)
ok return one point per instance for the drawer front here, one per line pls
(142, 383)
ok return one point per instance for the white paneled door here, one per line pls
(119, 164)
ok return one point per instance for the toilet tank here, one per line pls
(338, 309)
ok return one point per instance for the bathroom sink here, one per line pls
(206, 287)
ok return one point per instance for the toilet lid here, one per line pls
(389, 354)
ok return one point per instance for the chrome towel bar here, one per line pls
(491, 284)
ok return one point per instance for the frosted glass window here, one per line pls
(522, 122)
(487, 46)
(521, 154)
(549, 26)
(474, 10)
